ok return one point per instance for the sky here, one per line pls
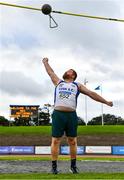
(94, 48)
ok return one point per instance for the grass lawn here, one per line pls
(46, 130)
(64, 176)
(61, 157)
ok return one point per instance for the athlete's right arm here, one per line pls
(50, 72)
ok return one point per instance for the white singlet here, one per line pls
(66, 94)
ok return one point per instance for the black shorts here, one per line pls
(64, 122)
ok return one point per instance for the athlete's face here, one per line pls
(68, 74)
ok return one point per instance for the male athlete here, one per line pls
(64, 117)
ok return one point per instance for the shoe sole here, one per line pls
(55, 173)
(73, 172)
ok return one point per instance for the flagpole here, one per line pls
(102, 108)
(100, 88)
(85, 83)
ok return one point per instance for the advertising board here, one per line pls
(98, 149)
(118, 150)
(42, 150)
(65, 150)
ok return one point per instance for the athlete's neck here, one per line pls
(68, 80)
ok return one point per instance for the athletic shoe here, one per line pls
(74, 170)
(54, 171)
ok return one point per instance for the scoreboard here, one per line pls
(25, 111)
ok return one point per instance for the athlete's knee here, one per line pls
(72, 141)
(55, 141)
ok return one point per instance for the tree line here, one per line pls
(44, 119)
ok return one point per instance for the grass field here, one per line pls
(64, 176)
(46, 130)
(62, 158)
(44, 175)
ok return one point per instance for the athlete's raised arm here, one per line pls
(50, 71)
(94, 95)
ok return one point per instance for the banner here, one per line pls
(118, 150)
(21, 149)
(98, 149)
(65, 150)
(4, 149)
(42, 150)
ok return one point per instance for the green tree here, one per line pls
(81, 121)
(44, 118)
(108, 119)
(4, 121)
(21, 121)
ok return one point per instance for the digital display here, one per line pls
(24, 110)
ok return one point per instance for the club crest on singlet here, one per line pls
(66, 94)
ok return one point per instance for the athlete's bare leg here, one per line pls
(55, 148)
(72, 141)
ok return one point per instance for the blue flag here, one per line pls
(97, 88)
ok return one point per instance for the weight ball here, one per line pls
(46, 9)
